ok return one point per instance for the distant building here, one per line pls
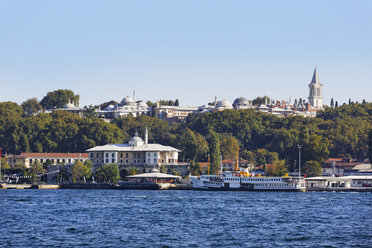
(70, 107)
(315, 92)
(173, 113)
(138, 153)
(126, 107)
(54, 158)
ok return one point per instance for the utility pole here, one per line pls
(299, 160)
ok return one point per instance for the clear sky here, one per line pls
(191, 50)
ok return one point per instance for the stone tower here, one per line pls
(315, 92)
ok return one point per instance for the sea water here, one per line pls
(126, 218)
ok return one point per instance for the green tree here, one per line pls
(215, 154)
(312, 169)
(89, 164)
(176, 103)
(63, 174)
(34, 171)
(10, 109)
(276, 169)
(79, 170)
(58, 98)
(195, 168)
(111, 172)
(162, 168)
(229, 147)
(31, 106)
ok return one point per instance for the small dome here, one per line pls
(142, 104)
(241, 101)
(154, 170)
(224, 104)
(69, 106)
(136, 140)
(110, 107)
(128, 101)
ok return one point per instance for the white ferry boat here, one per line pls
(245, 181)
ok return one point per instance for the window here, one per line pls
(91, 155)
(30, 161)
(121, 155)
(121, 161)
(41, 160)
(126, 155)
(148, 154)
(154, 160)
(139, 155)
(162, 160)
(154, 154)
(106, 160)
(113, 160)
(113, 155)
(52, 160)
(57, 160)
(69, 160)
(106, 155)
(134, 161)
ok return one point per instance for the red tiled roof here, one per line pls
(54, 155)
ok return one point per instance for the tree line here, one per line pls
(261, 138)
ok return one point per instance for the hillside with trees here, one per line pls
(261, 138)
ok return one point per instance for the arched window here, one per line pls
(318, 92)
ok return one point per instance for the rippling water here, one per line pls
(107, 218)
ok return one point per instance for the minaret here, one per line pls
(315, 92)
(146, 136)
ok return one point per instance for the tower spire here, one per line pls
(315, 79)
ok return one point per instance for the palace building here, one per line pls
(137, 153)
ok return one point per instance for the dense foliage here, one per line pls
(344, 131)
(58, 98)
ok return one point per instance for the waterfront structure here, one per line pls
(53, 158)
(138, 153)
(153, 177)
(315, 92)
(352, 182)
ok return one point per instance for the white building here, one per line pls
(174, 113)
(137, 153)
(127, 106)
(315, 92)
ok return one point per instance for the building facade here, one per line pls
(52, 158)
(137, 153)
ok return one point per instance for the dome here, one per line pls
(136, 140)
(142, 104)
(69, 105)
(224, 104)
(110, 107)
(127, 101)
(241, 101)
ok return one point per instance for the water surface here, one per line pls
(114, 218)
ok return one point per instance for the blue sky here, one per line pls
(191, 50)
